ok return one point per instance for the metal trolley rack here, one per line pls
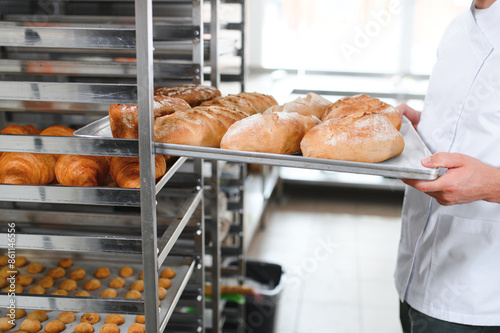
(52, 54)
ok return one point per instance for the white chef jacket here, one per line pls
(448, 263)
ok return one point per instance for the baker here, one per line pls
(448, 267)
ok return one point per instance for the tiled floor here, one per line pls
(338, 250)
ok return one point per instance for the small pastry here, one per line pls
(114, 318)
(35, 267)
(46, 282)
(117, 283)
(83, 328)
(66, 317)
(56, 273)
(137, 285)
(78, 274)
(90, 318)
(126, 272)
(92, 284)
(109, 293)
(102, 273)
(68, 285)
(65, 263)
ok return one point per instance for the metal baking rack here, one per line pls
(64, 65)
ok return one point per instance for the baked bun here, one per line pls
(277, 133)
(359, 138)
(124, 118)
(362, 104)
(193, 94)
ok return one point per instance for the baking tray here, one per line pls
(407, 165)
(183, 267)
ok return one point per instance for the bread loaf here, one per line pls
(362, 104)
(76, 170)
(360, 138)
(250, 103)
(125, 171)
(193, 94)
(313, 104)
(201, 126)
(26, 168)
(276, 132)
(124, 118)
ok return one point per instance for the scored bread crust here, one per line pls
(368, 137)
(362, 104)
(251, 103)
(193, 94)
(277, 133)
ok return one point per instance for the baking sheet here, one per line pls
(181, 266)
(407, 165)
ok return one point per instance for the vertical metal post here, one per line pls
(216, 246)
(244, 49)
(199, 274)
(144, 53)
(214, 44)
(198, 49)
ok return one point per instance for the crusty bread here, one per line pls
(313, 104)
(360, 138)
(194, 94)
(125, 171)
(276, 132)
(250, 103)
(362, 104)
(201, 126)
(77, 170)
(124, 118)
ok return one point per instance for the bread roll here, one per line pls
(124, 118)
(362, 104)
(277, 133)
(359, 138)
(313, 104)
(193, 94)
(125, 171)
(26, 168)
(76, 170)
(201, 126)
(250, 103)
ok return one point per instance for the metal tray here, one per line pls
(407, 165)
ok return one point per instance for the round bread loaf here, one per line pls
(359, 138)
(193, 94)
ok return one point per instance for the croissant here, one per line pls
(58, 130)
(20, 130)
(125, 170)
(27, 168)
(250, 103)
(76, 170)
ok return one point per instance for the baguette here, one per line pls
(362, 104)
(77, 170)
(250, 103)
(193, 94)
(26, 168)
(125, 171)
(201, 126)
(124, 118)
(368, 137)
(276, 132)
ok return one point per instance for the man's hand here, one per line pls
(467, 179)
(412, 115)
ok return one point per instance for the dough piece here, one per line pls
(56, 273)
(360, 104)
(35, 268)
(92, 284)
(250, 103)
(83, 328)
(68, 285)
(193, 94)
(30, 325)
(115, 318)
(102, 273)
(65, 262)
(168, 273)
(367, 138)
(117, 283)
(55, 326)
(137, 328)
(276, 133)
(37, 290)
(125, 171)
(46, 282)
(82, 293)
(137, 285)
(133, 294)
(24, 279)
(126, 272)
(109, 293)
(162, 293)
(78, 274)
(78, 170)
(124, 118)
(21, 261)
(66, 317)
(59, 292)
(109, 328)
(164, 282)
(39, 315)
(141, 319)
(5, 324)
(91, 318)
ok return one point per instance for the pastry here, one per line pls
(78, 274)
(59, 292)
(65, 262)
(20, 130)
(30, 325)
(24, 279)
(82, 293)
(4, 260)
(133, 294)
(117, 283)
(78, 170)
(92, 284)
(55, 326)
(115, 318)
(68, 285)
(7, 271)
(83, 328)
(102, 273)
(168, 273)
(109, 293)
(141, 319)
(39, 315)
(19, 313)
(164, 282)
(90, 318)
(37, 290)
(35, 268)
(193, 94)
(109, 328)
(56, 272)
(18, 289)
(5, 324)
(136, 328)
(3, 282)
(125, 171)
(58, 130)
(66, 317)
(137, 285)
(46, 282)
(21, 261)
(162, 292)
(126, 272)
